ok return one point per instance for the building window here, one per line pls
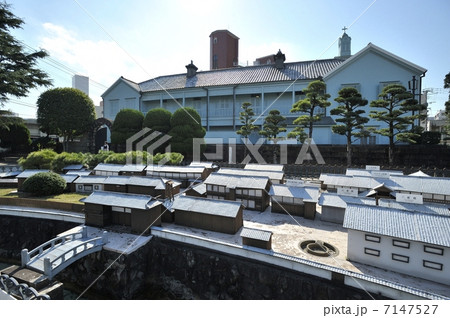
(96, 187)
(117, 209)
(80, 187)
(371, 251)
(357, 86)
(215, 40)
(432, 265)
(384, 84)
(433, 250)
(215, 62)
(88, 188)
(400, 258)
(401, 244)
(369, 140)
(373, 238)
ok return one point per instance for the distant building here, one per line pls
(224, 47)
(218, 94)
(81, 82)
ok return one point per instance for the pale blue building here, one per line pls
(217, 95)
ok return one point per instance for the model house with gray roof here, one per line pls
(298, 201)
(412, 243)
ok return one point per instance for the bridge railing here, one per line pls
(73, 254)
(60, 240)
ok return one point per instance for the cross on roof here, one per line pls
(344, 28)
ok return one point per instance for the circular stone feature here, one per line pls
(318, 248)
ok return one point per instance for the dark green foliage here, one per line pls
(274, 124)
(44, 143)
(186, 125)
(430, 138)
(313, 107)
(447, 103)
(15, 136)
(246, 118)
(127, 123)
(44, 183)
(395, 105)
(116, 158)
(352, 119)
(66, 158)
(66, 112)
(158, 119)
(18, 71)
(41, 159)
(92, 160)
(171, 158)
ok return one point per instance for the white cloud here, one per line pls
(103, 61)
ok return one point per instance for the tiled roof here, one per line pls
(133, 168)
(175, 169)
(108, 167)
(207, 206)
(256, 234)
(91, 179)
(30, 172)
(420, 227)
(308, 194)
(341, 201)
(125, 200)
(264, 167)
(430, 208)
(73, 167)
(421, 184)
(243, 75)
(273, 175)
(233, 181)
(368, 173)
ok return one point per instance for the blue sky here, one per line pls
(142, 39)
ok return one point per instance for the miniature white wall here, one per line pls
(357, 244)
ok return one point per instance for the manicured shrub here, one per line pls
(158, 119)
(132, 157)
(92, 160)
(41, 159)
(44, 183)
(186, 125)
(126, 124)
(66, 158)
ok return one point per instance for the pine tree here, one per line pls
(350, 101)
(274, 124)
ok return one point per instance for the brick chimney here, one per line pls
(279, 60)
(191, 70)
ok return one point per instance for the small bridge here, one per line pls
(57, 254)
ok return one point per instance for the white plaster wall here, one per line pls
(120, 92)
(357, 243)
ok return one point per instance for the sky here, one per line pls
(143, 39)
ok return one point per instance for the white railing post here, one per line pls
(48, 267)
(25, 257)
(105, 237)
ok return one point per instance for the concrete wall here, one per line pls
(332, 214)
(357, 244)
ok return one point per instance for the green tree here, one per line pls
(313, 107)
(274, 124)
(127, 123)
(158, 119)
(41, 159)
(352, 119)
(15, 135)
(247, 121)
(447, 103)
(396, 104)
(18, 71)
(186, 125)
(44, 183)
(66, 112)
(66, 158)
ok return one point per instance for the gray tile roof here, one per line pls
(199, 188)
(233, 181)
(207, 206)
(308, 194)
(69, 178)
(421, 227)
(119, 180)
(157, 183)
(125, 200)
(79, 172)
(256, 234)
(30, 172)
(265, 167)
(368, 173)
(73, 167)
(108, 167)
(341, 201)
(421, 184)
(272, 175)
(243, 75)
(429, 208)
(133, 168)
(176, 169)
(91, 179)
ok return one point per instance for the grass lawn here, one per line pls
(65, 197)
